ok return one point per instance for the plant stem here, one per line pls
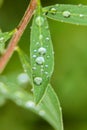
(17, 35)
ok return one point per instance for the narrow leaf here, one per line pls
(41, 54)
(49, 109)
(75, 14)
(3, 38)
(24, 61)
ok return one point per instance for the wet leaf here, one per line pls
(49, 109)
(75, 14)
(41, 54)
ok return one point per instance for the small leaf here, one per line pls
(24, 61)
(41, 54)
(75, 14)
(49, 109)
(3, 38)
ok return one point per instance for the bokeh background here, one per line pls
(70, 75)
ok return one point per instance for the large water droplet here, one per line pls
(53, 10)
(37, 80)
(39, 60)
(42, 50)
(23, 78)
(39, 20)
(66, 14)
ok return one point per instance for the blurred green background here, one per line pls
(70, 75)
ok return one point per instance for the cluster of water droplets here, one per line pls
(41, 51)
(65, 13)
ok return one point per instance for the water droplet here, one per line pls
(46, 66)
(39, 60)
(37, 43)
(53, 11)
(41, 112)
(81, 15)
(30, 104)
(41, 36)
(39, 21)
(35, 50)
(42, 50)
(42, 66)
(34, 56)
(47, 38)
(34, 68)
(66, 14)
(42, 70)
(23, 78)
(46, 73)
(48, 56)
(37, 80)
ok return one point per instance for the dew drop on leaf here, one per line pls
(39, 60)
(42, 50)
(66, 14)
(23, 78)
(39, 20)
(35, 50)
(29, 104)
(53, 10)
(81, 15)
(46, 66)
(34, 68)
(40, 37)
(37, 80)
(47, 38)
(34, 56)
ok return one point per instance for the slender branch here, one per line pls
(16, 37)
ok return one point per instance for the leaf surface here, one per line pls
(75, 14)
(49, 109)
(41, 54)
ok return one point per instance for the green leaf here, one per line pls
(24, 61)
(49, 109)
(3, 38)
(75, 14)
(41, 54)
